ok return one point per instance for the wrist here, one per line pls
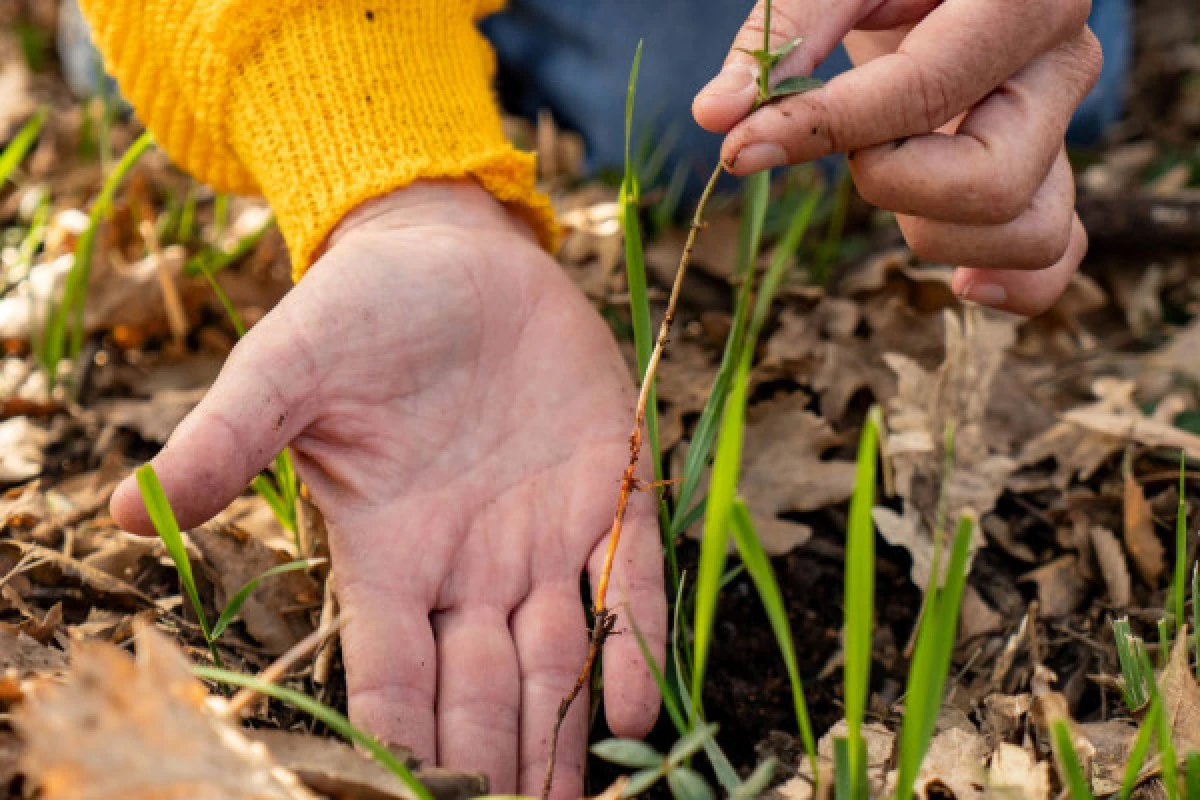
(459, 203)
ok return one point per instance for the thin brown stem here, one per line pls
(605, 619)
(277, 670)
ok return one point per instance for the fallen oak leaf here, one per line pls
(139, 730)
(1143, 544)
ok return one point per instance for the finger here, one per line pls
(631, 697)
(1026, 293)
(949, 62)
(390, 658)
(478, 695)
(727, 99)
(989, 169)
(1034, 240)
(259, 402)
(552, 641)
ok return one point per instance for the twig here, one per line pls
(604, 620)
(323, 660)
(275, 671)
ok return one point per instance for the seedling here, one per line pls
(931, 660)
(684, 782)
(326, 715)
(68, 313)
(1131, 655)
(163, 518)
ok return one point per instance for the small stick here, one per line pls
(605, 619)
(273, 673)
(323, 660)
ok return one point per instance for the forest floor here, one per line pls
(1069, 430)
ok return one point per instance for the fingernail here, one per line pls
(734, 79)
(757, 157)
(985, 294)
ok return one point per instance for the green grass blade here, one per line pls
(74, 297)
(860, 588)
(1140, 749)
(931, 661)
(19, 146)
(639, 301)
(163, 518)
(1179, 592)
(669, 697)
(332, 719)
(763, 575)
(781, 262)
(1133, 681)
(718, 510)
(1192, 777)
(755, 197)
(1068, 760)
(214, 260)
(1196, 612)
(235, 318)
(238, 600)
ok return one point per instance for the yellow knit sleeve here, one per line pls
(320, 105)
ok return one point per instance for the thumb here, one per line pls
(730, 96)
(256, 406)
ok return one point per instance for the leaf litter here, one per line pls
(1044, 415)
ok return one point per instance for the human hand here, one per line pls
(461, 416)
(954, 118)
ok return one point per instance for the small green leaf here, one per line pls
(163, 519)
(686, 784)
(785, 49)
(797, 84)
(687, 746)
(758, 781)
(640, 782)
(628, 753)
(238, 600)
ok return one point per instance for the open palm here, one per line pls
(461, 416)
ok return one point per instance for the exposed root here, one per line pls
(605, 619)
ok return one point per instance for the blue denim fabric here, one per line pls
(573, 57)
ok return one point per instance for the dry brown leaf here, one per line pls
(51, 568)
(880, 744)
(269, 613)
(685, 376)
(783, 470)
(1111, 559)
(121, 555)
(956, 395)
(953, 766)
(155, 418)
(22, 446)
(337, 770)
(1015, 770)
(1112, 740)
(1180, 355)
(116, 728)
(26, 656)
(1141, 541)
(1078, 449)
(1061, 587)
(1181, 698)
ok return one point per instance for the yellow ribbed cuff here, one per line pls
(349, 100)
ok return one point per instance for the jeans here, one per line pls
(573, 57)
